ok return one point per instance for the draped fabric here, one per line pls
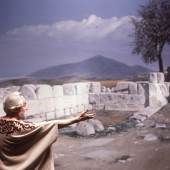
(25, 146)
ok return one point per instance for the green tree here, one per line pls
(152, 31)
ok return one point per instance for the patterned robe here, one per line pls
(26, 146)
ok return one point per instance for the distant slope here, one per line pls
(97, 67)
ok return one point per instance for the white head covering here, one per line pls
(14, 100)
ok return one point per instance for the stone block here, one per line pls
(108, 90)
(44, 91)
(69, 89)
(164, 90)
(122, 87)
(156, 97)
(6, 91)
(34, 107)
(2, 113)
(167, 86)
(84, 129)
(47, 105)
(94, 99)
(95, 87)
(36, 118)
(103, 89)
(2, 94)
(107, 98)
(99, 107)
(113, 89)
(98, 126)
(146, 88)
(160, 77)
(140, 89)
(50, 115)
(82, 88)
(88, 107)
(59, 113)
(153, 77)
(57, 90)
(59, 106)
(67, 111)
(135, 99)
(69, 101)
(82, 108)
(133, 88)
(116, 106)
(82, 99)
(28, 91)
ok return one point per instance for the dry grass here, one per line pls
(109, 83)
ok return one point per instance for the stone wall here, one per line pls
(125, 96)
(50, 102)
(47, 102)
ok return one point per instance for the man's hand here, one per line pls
(73, 119)
(86, 115)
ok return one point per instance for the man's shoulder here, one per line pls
(10, 126)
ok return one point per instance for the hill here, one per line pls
(98, 67)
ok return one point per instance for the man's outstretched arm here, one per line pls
(73, 119)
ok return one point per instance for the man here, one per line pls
(27, 146)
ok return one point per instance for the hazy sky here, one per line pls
(36, 34)
(17, 13)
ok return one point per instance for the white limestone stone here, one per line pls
(98, 126)
(84, 129)
(113, 89)
(82, 99)
(103, 89)
(2, 113)
(94, 99)
(133, 88)
(108, 90)
(95, 87)
(160, 77)
(150, 137)
(140, 89)
(164, 90)
(167, 84)
(135, 99)
(69, 89)
(67, 112)
(82, 108)
(2, 94)
(59, 102)
(106, 98)
(28, 91)
(59, 113)
(50, 116)
(156, 97)
(44, 91)
(7, 90)
(153, 77)
(47, 105)
(122, 87)
(69, 101)
(57, 90)
(34, 107)
(82, 88)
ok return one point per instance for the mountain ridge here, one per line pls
(97, 66)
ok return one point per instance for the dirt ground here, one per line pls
(128, 149)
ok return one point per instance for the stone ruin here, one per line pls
(47, 102)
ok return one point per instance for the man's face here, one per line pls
(22, 112)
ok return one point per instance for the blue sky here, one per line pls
(17, 13)
(35, 34)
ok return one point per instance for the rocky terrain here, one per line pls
(121, 146)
